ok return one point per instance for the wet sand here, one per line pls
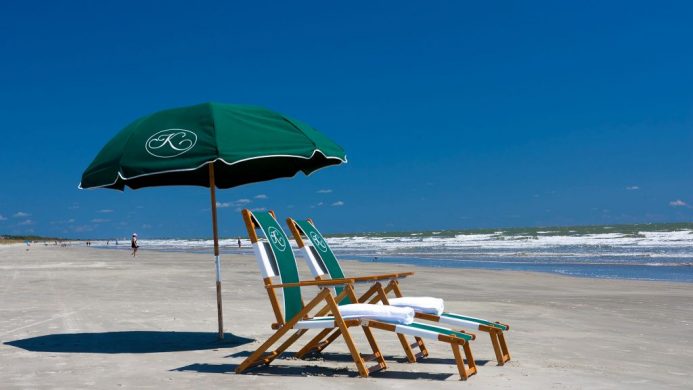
(77, 318)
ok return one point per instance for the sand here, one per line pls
(77, 317)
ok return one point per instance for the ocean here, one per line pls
(641, 252)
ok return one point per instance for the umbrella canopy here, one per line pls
(211, 145)
(174, 147)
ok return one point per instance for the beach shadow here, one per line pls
(289, 355)
(313, 370)
(128, 342)
(345, 357)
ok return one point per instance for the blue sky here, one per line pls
(453, 115)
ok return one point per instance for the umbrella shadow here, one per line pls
(128, 342)
(280, 370)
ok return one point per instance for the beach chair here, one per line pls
(322, 262)
(275, 259)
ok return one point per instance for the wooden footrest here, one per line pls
(369, 357)
(375, 368)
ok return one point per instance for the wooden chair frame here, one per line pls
(260, 356)
(375, 294)
(500, 348)
(325, 296)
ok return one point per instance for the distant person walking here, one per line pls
(239, 242)
(133, 244)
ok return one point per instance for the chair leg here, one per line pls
(256, 357)
(464, 372)
(471, 363)
(423, 351)
(504, 346)
(411, 358)
(499, 346)
(376, 350)
(339, 321)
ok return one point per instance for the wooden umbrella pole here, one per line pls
(212, 185)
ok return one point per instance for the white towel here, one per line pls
(392, 314)
(427, 305)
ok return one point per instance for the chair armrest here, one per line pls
(374, 278)
(330, 282)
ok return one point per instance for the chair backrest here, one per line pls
(319, 257)
(275, 258)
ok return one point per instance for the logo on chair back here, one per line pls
(277, 238)
(318, 241)
(170, 143)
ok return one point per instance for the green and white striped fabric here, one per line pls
(468, 322)
(416, 329)
(283, 257)
(321, 259)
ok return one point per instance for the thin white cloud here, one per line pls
(338, 203)
(21, 214)
(63, 222)
(632, 188)
(324, 191)
(235, 203)
(2, 218)
(261, 196)
(105, 211)
(678, 203)
(100, 220)
(26, 222)
(74, 206)
(259, 209)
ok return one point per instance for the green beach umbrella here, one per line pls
(210, 145)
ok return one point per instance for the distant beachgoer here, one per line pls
(239, 242)
(133, 244)
(28, 244)
(116, 242)
(108, 243)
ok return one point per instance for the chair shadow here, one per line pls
(312, 370)
(345, 357)
(128, 342)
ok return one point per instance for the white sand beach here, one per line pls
(77, 318)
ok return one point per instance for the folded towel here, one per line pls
(392, 314)
(427, 305)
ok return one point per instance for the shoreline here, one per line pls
(436, 262)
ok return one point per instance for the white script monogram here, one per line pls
(170, 143)
(277, 238)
